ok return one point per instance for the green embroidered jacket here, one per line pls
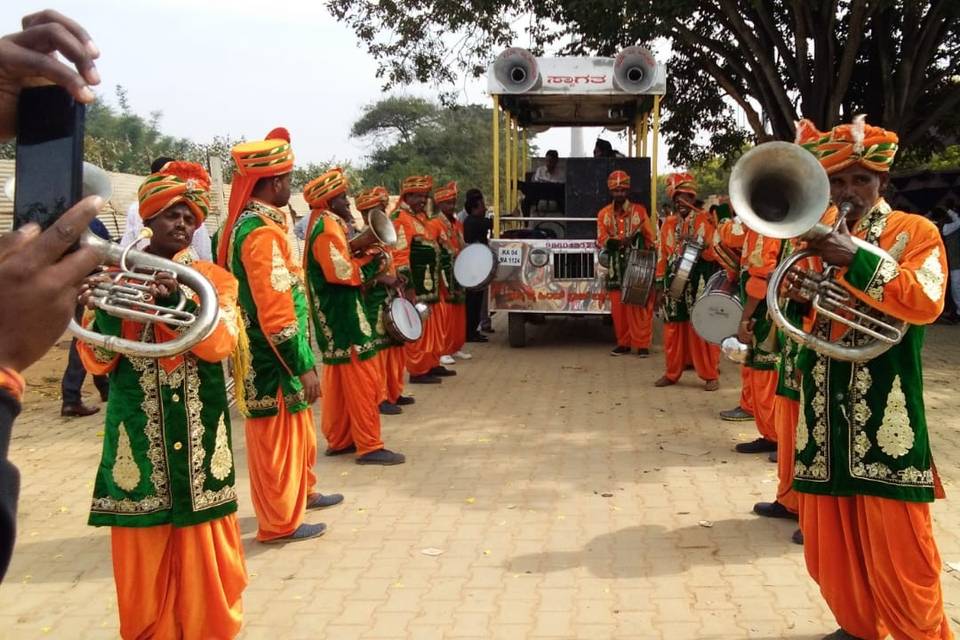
(334, 279)
(863, 428)
(273, 308)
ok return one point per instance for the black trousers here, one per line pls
(474, 308)
(75, 374)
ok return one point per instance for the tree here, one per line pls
(305, 173)
(393, 119)
(452, 143)
(775, 60)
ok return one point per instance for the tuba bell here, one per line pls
(378, 231)
(781, 191)
(127, 293)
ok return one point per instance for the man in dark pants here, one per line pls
(72, 384)
(476, 228)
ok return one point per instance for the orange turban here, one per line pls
(448, 192)
(177, 182)
(416, 184)
(618, 180)
(369, 199)
(681, 183)
(329, 185)
(266, 158)
(848, 144)
(384, 195)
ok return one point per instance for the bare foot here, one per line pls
(711, 385)
(664, 381)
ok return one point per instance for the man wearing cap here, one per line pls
(680, 341)
(352, 380)
(864, 470)
(621, 226)
(165, 483)
(450, 236)
(418, 262)
(276, 381)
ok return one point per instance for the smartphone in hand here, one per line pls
(49, 169)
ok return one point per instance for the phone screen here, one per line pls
(49, 166)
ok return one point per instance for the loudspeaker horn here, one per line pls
(635, 70)
(516, 70)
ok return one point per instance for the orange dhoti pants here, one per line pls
(680, 341)
(179, 582)
(351, 395)
(393, 366)
(786, 413)
(877, 565)
(763, 390)
(456, 327)
(632, 323)
(281, 452)
(746, 393)
(442, 310)
(424, 354)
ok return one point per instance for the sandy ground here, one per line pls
(567, 498)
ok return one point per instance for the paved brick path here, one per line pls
(564, 491)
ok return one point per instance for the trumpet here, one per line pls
(127, 293)
(780, 190)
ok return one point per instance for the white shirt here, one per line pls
(954, 223)
(542, 174)
(201, 237)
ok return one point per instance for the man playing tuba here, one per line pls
(864, 470)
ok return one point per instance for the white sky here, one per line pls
(242, 67)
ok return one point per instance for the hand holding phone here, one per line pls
(26, 60)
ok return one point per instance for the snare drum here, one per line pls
(716, 313)
(475, 266)
(683, 267)
(402, 321)
(638, 276)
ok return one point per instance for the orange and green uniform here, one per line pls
(679, 338)
(165, 483)
(417, 255)
(632, 323)
(453, 298)
(347, 341)
(864, 469)
(732, 234)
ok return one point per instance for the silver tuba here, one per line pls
(127, 293)
(780, 190)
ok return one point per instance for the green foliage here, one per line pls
(452, 143)
(302, 174)
(740, 71)
(947, 159)
(393, 119)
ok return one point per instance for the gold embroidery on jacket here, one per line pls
(895, 436)
(930, 275)
(279, 274)
(341, 266)
(362, 318)
(126, 473)
(401, 243)
(221, 462)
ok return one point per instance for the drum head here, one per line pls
(475, 266)
(716, 316)
(406, 319)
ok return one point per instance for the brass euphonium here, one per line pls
(780, 190)
(378, 230)
(127, 293)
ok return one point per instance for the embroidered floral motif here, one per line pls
(861, 410)
(818, 470)
(930, 275)
(279, 274)
(900, 245)
(895, 436)
(756, 255)
(428, 278)
(221, 462)
(229, 318)
(342, 267)
(286, 333)
(362, 319)
(401, 243)
(202, 498)
(803, 433)
(126, 473)
(886, 273)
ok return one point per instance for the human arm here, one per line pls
(265, 259)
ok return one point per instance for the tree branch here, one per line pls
(912, 136)
(855, 29)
